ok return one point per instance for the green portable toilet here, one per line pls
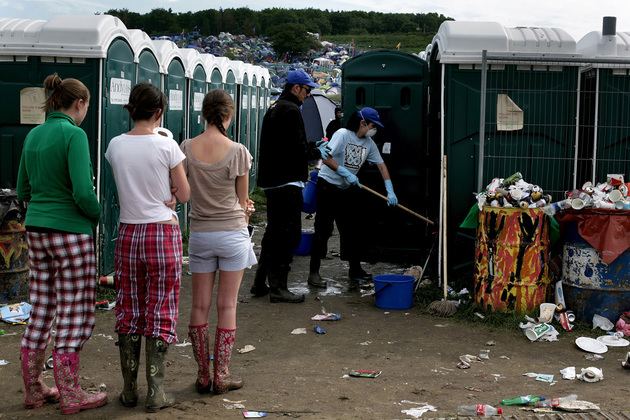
(175, 89)
(230, 85)
(95, 49)
(197, 88)
(252, 132)
(262, 92)
(604, 87)
(145, 57)
(209, 65)
(394, 83)
(523, 128)
(243, 96)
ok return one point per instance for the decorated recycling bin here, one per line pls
(511, 259)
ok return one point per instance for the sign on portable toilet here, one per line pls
(197, 88)
(94, 49)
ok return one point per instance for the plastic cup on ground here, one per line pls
(534, 333)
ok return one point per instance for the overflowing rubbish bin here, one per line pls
(596, 262)
(511, 259)
(13, 249)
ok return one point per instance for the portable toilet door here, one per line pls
(97, 51)
(394, 83)
(230, 86)
(530, 115)
(243, 94)
(145, 56)
(174, 85)
(197, 88)
(253, 122)
(264, 84)
(604, 87)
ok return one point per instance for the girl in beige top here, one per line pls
(218, 172)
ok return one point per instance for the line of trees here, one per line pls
(251, 23)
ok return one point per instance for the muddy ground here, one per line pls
(305, 376)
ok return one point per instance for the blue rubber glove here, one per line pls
(350, 177)
(324, 150)
(391, 197)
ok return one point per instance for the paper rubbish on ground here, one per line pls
(417, 412)
(246, 349)
(578, 406)
(568, 373)
(16, 313)
(602, 322)
(299, 331)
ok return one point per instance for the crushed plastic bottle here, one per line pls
(525, 399)
(555, 402)
(482, 410)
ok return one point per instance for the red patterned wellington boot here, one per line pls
(223, 344)
(37, 393)
(73, 398)
(201, 349)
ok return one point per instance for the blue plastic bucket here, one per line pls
(393, 291)
(309, 193)
(305, 244)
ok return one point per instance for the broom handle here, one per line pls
(397, 205)
(444, 224)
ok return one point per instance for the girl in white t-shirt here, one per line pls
(149, 248)
(218, 172)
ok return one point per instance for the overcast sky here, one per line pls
(577, 17)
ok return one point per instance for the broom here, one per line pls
(443, 307)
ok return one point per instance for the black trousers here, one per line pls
(284, 227)
(336, 205)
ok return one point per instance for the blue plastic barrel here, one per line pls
(590, 285)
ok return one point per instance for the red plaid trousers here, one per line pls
(62, 284)
(148, 279)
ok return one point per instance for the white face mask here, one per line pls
(371, 132)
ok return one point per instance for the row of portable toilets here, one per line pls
(110, 59)
(569, 130)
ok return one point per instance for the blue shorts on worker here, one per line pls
(225, 251)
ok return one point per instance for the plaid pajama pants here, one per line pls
(62, 284)
(148, 279)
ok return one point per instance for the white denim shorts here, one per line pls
(225, 250)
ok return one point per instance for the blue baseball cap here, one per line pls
(370, 114)
(300, 77)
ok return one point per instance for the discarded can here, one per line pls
(107, 281)
(318, 330)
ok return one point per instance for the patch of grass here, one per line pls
(105, 293)
(467, 314)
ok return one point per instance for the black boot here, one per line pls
(314, 279)
(260, 289)
(358, 274)
(278, 291)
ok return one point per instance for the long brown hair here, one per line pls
(63, 93)
(217, 106)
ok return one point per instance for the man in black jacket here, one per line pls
(283, 169)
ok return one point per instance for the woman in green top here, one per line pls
(56, 178)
